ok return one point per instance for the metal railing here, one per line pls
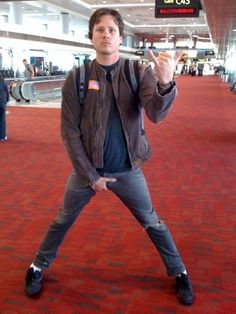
(40, 89)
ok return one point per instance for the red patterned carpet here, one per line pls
(107, 264)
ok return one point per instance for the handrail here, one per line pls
(42, 90)
(36, 90)
(15, 90)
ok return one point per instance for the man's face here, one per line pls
(106, 36)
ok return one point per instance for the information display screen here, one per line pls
(177, 8)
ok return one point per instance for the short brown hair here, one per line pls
(96, 17)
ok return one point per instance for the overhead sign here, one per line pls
(177, 8)
(139, 53)
(209, 53)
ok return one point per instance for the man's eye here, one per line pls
(102, 30)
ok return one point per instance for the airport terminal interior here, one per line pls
(106, 264)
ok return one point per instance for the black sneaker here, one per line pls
(33, 282)
(184, 289)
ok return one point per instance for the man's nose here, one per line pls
(106, 33)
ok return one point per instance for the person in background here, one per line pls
(107, 145)
(194, 70)
(4, 98)
(200, 69)
(29, 70)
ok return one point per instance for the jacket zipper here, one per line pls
(98, 127)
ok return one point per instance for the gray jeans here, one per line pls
(132, 190)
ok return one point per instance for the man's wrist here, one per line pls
(165, 86)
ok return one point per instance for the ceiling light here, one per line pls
(86, 5)
(170, 25)
(124, 5)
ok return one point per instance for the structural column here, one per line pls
(129, 41)
(15, 13)
(65, 22)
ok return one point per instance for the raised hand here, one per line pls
(165, 65)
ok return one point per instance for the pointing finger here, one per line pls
(110, 179)
(178, 55)
(153, 58)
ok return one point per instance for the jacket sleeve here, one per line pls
(7, 92)
(155, 104)
(71, 134)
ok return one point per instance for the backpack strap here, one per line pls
(81, 79)
(81, 83)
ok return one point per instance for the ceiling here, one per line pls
(216, 20)
(221, 19)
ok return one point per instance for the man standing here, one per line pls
(107, 144)
(29, 70)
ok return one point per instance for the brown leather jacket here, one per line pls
(83, 130)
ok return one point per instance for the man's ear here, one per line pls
(121, 39)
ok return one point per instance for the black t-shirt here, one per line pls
(115, 154)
